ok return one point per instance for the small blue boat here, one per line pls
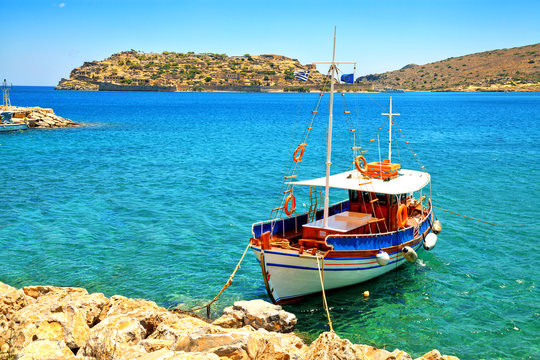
(8, 125)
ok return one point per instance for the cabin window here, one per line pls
(366, 197)
(382, 199)
(353, 196)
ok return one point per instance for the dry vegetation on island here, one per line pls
(515, 69)
(171, 71)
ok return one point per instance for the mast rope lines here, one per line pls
(291, 172)
(372, 140)
(227, 284)
(350, 126)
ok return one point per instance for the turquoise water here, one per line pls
(155, 199)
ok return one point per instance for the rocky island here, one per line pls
(515, 69)
(68, 323)
(171, 71)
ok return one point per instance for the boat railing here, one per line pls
(378, 240)
(293, 223)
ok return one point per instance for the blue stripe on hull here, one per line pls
(345, 269)
(398, 262)
(328, 269)
(315, 292)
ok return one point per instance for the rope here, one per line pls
(350, 126)
(379, 105)
(227, 284)
(278, 209)
(407, 143)
(465, 216)
(324, 295)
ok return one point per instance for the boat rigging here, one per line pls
(385, 219)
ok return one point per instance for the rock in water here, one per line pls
(259, 314)
(37, 117)
(436, 355)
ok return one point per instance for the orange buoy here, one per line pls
(402, 215)
(299, 152)
(363, 169)
(290, 199)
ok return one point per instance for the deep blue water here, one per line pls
(156, 196)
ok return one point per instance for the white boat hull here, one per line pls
(290, 277)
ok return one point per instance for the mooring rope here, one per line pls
(465, 216)
(227, 284)
(324, 295)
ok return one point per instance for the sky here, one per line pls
(43, 40)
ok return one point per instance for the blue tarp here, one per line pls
(370, 242)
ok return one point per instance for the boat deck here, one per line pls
(342, 223)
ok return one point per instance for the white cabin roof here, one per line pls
(407, 181)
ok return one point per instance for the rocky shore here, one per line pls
(37, 117)
(47, 322)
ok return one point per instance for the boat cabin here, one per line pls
(372, 208)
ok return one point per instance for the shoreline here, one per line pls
(473, 90)
(69, 323)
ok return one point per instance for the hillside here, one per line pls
(170, 71)
(515, 69)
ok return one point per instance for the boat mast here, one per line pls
(329, 141)
(390, 114)
(333, 69)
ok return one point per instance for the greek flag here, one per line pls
(301, 75)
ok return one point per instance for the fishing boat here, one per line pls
(7, 124)
(386, 218)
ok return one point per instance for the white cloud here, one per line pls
(62, 5)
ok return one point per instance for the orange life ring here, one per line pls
(298, 157)
(363, 169)
(292, 200)
(402, 215)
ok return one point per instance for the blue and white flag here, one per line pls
(301, 75)
(347, 78)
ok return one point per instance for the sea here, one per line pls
(154, 198)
